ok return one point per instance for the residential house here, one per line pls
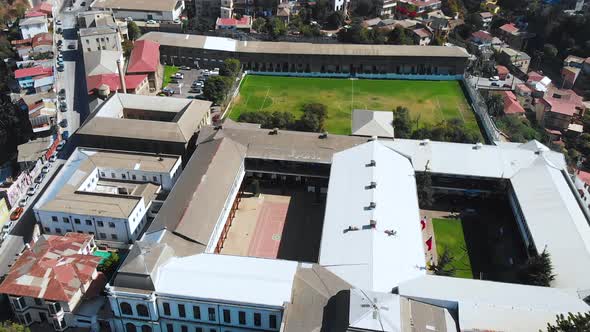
(243, 24)
(52, 278)
(387, 7)
(145, 60)
(211, 9)
(572, 67)
(419, 7)
(511, 104)
(102, 62)
(161, 10)
(503, 72)
(99, 32)
(13, 189)
(109, 194)
(512, 35)
(514, 59)
(481, 39)
(26, 77)
(42, 43)
(491, 6)
(438, 23)
(42, 8)
(559, 108)
(227, 9)
(524, 95)
(32, 26)
(104, 85)
(486, 19)
(538, 83)
(422, 36)
(284, 12)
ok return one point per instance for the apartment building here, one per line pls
(99, 32)
(32, 26)
(52, 279)
(138, 10)
(108, 194)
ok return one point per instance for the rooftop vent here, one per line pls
(275, 131)
(372, 163)
(390, 232)
(477, 146)
(425, 141)
(373, 185)
(324, 135)
(372, 205)
(352, 228)
(373, 223)
(372, 138)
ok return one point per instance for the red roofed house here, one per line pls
(243, 24)
(26, 77)
(422, 36)
(135, 84)
(524, 95)
(512, 35)
(558, 108)
(145, 59)
(50, 280)
(42, 43)
(502, 72)
(44, 8)
(481, 39)
(511, 104)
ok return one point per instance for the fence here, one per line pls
(479, 106)
(363, 75)
(232, 94)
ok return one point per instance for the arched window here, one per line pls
(126, 308)
(129, 327)
(142, 310)
(146, 328)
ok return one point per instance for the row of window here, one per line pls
(77, 221)
(133, 176)
(102, 236)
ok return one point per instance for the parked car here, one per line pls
(60, 69)
(63, 123)
(151, 22)
(495, 84)
(60, 145)
(53, 158)
(178, 75)
(185, 68)
(23, 202)
(16, 214)
(71, 47)
(39, 178)
(32, 189)
(46, 168)
(83, 4)
(60, 42)
(58, 22)
(59, 30)
(8, 225)
(62, 92)
(494, 78)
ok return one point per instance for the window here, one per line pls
(87, 41)
(89, 49)
(123, 176)
(104, 47)
(183, 328)
(88, 222)
(126, 308)
(196, 312)
(242, 317)
(155, 179)
(66, 220)
(169, 328)
(54, 307)
(142, 310)
(146, 328)
(19, 303)
(77, 221)
(102, 174)
(53, 218)
(46, 229)
(181, 311)
(27, 318)
(111, 224)
(58, 230)
(129, 327)
(38, 301)
(102, 235)
(144, 178)
(166, 306)
(99, 223)
(256, 319)
(226, 316)
(133, 176)
(198, 329)
(102, 39)
(114, 236)
(97, 40)
(68, 230)
(272, 321)
(211, 312)
(113, 175)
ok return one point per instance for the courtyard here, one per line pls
(429, 102)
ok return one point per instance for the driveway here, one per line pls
(185, 83)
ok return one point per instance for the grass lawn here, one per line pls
(449, 233)
(168, 71)
(428, 101)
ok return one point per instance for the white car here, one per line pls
(53, 158)
(179, 75)
(23, 202)
(32, 189)
(45, 169)
(151, 22)
(494, 78)
(58, 22)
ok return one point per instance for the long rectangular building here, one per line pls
(289, 57)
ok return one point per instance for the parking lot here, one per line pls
(182, 89)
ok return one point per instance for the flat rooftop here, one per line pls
(103, 196)
(143, 5)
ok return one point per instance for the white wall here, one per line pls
(107, 41)
(29, 31)
(149, 15)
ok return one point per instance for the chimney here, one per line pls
(121, 76)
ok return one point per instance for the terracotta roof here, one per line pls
(44, 7)
(145, 57)
(502, 70)
(113, 81)
(422, 33)
(511, 105)
(523, 87)
(53, 269)
(584, 176)
(31, 72)
(567, 104)
(483, 35)
(244, 21)
(486, 14)
(42, 39)
(20, 41)
(34, 13)
(509, 27)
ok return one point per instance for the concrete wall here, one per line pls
(98, 42)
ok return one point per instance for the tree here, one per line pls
(255, 187)
(15, 128)
(133, 30)
(538, 270)
(443, 265)
(335, 20)
(276, 27)
(402, 123)
(259, 25)
(314, 115)
(495, 104)
(424, 188)
(573, 323)
(13, 327)
(550, 51)
(399, 36)
(110, 264)
(216, 88)
(127, 48)
(231, 67)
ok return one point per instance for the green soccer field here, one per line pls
(449, 233)
(428, 101)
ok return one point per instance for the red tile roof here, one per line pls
(42, 39)
(482, 35)
(502, 70)
(21, 41)
(511, 104)
(34, 13)
(54, 268)
(523, 87)
(534, 76)
(113, 81)
(422, 33)
(244, 21)
(31, 72)
(567, 104)
(145, 57)
(584, 176)
(509, 27)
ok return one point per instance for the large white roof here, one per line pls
(494, 306)
(556, 222)
(228, 278)
(368, 258)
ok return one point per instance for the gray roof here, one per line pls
(372, 123)
(231, 45)
(140, 5)
(33, 20)
(196, 202)
(101, 62)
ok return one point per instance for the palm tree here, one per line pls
(443, 265)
